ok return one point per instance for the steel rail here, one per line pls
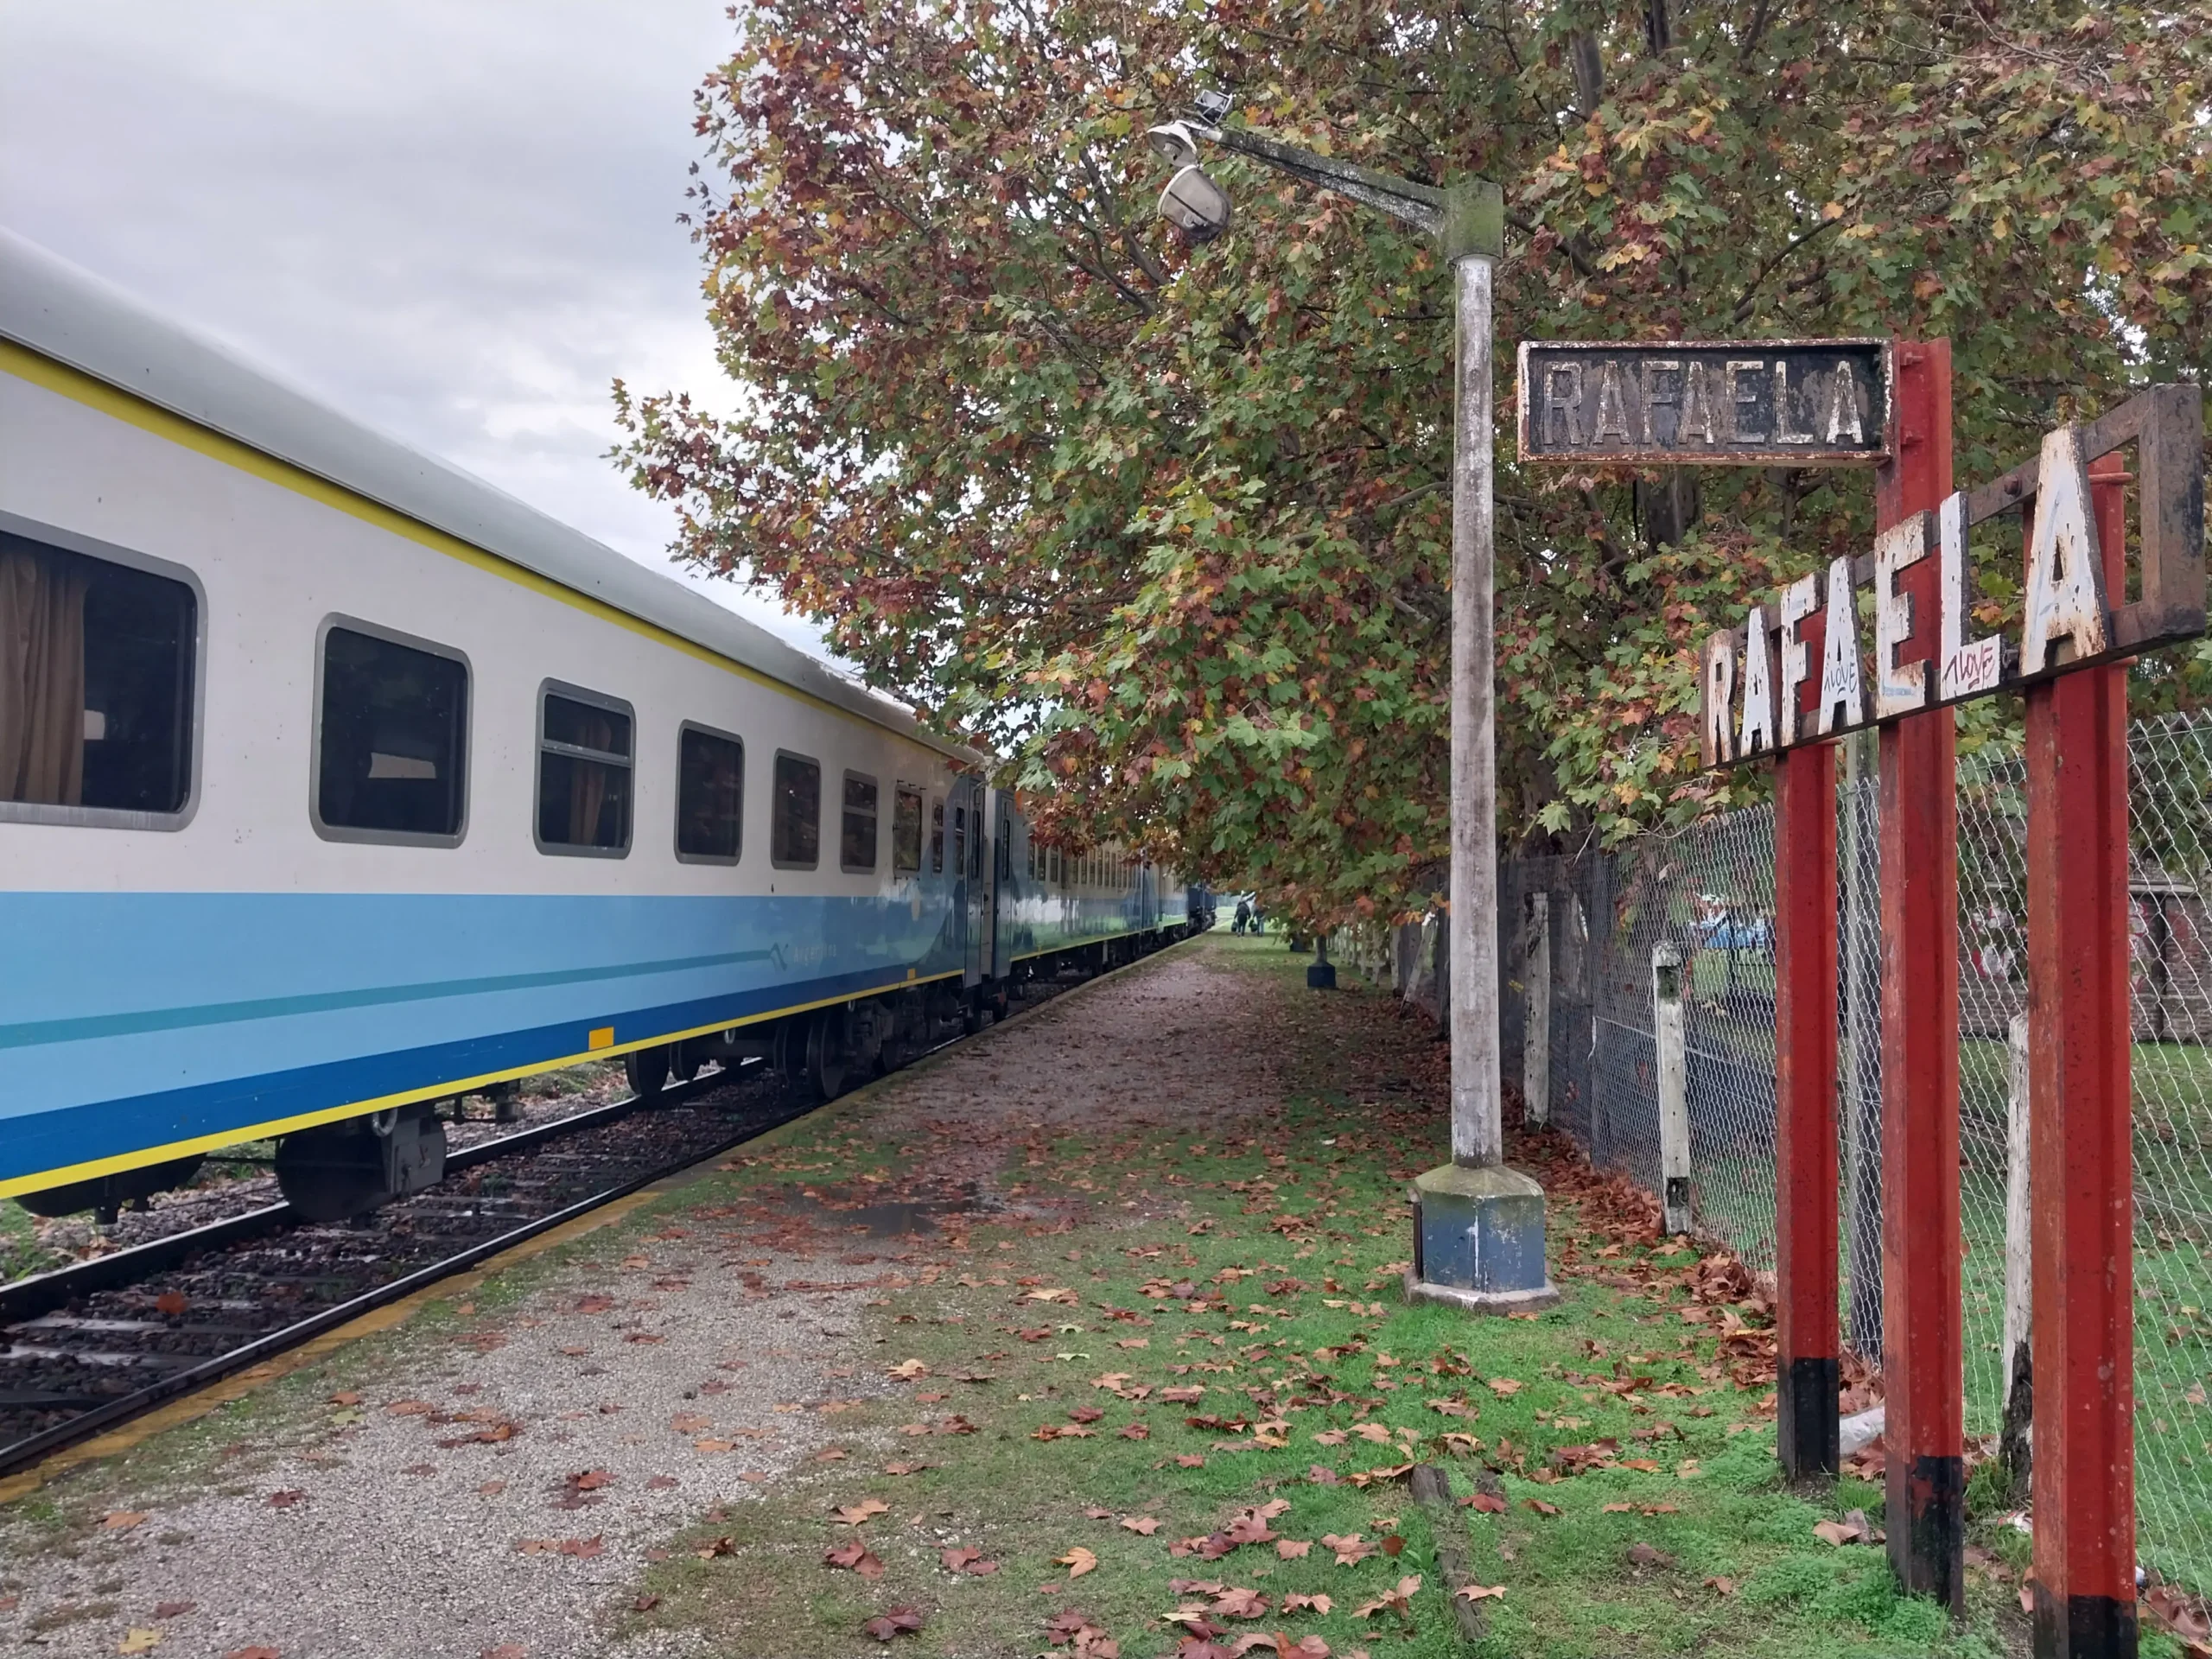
(42, 1292)
(21, 1453)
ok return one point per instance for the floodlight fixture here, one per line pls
(1174, 143)
(1212, 106)
(1195, 205)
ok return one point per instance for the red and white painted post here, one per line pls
(1922, 1354)
(2079, 1145)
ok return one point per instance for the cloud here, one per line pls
(455, 221)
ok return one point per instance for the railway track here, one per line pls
(91, 1345)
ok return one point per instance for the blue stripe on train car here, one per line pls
(300, 1002)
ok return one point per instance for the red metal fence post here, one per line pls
(1807, 1339)
(2079, 1153)
(1923, 1357)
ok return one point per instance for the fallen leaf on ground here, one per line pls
(1078, 1562)
(1543, 1508)
(907, 1369)
(1351, 1549)
(253, 1653)
(1292, 1550)
(286, 1499)
(173, 1609)
(899, 1621)
(1725, 1587)
(1505, 1385)
(140, 1640)
(962, 1559)
(1237, 1602)
(1144, 1525)
(1479, 1592)
(1189, 1460)
(1839, 1532)
(1399, 1600)
(1299, 1602)
(122, 1520)
(853, 1515)
(1491, 1503)
(904, 1468)
(1645, 1555)
(848, 1555)
(581, 1548)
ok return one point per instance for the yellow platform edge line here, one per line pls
(126, 1160)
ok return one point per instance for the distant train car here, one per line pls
(335, 783)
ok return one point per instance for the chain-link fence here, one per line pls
(1710, 891)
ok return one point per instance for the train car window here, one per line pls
(857, 839)
(937, 837)
(906, 831)
(391, 743)
(795, 842)
(96, 683)
(976, 849)
(959, 840)
(710, 796)
(584, 755)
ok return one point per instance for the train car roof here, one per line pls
(63, 312)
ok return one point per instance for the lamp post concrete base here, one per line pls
(1480, 1242)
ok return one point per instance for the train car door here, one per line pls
(974, 902)
(1002, 889)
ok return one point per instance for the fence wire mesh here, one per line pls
(1710, 891)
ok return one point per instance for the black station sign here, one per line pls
(1773, 403)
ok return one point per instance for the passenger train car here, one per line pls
(335, 783)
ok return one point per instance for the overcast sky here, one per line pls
(453, 219)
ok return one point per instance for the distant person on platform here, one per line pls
(1259, 921)
(1243, 916)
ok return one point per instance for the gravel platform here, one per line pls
(489, 1483)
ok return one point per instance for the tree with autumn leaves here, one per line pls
(1168, 528)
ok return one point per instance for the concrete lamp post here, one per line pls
(1479, 1238)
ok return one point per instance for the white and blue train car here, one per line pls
(335, 783)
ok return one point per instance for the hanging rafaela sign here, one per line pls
(1774, 402)
(1805, 668)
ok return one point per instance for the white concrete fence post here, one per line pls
(1536, 1011)
(1674, 1084)
(2017, 1279)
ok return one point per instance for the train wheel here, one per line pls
(683, 1065)
(647, 1071)
(829, 1070)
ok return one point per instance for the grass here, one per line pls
(1311, 1192)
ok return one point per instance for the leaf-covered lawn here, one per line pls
(1160, 1392)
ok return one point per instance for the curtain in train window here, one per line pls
(392, 738)
(795, 842)
(906, 831)
(583, 775)
(95, 672)
(710, 796)
(857, 837)
(936, 838)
